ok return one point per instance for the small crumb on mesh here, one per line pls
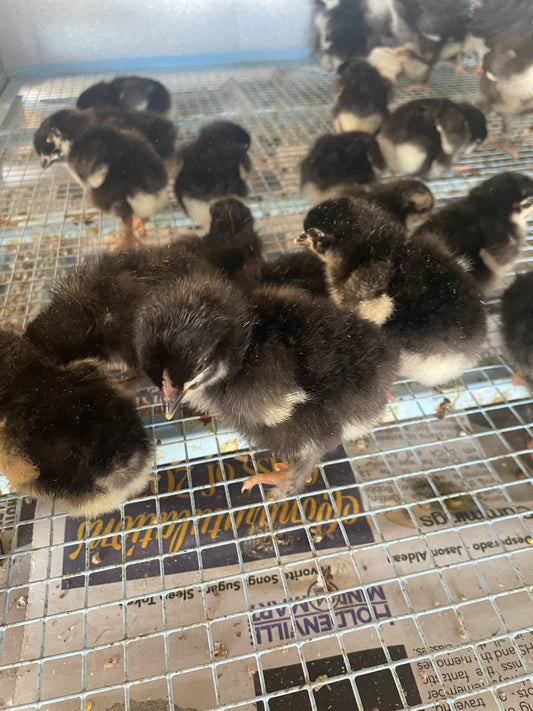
(251, 670)
(529, 540)
(462, 597)
(318, 681)
(423, 675)
(443, 408)
(96, 558)
(360, 445)
(88, 705)
(22, 602)
(436, 603)
(316, 534)
(462, 632)
(111, 662)
(328, 578)
(221, 651)
(502, 695)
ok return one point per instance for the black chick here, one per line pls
(488, 228)
(129, 93)
(292, 373)
(348, 28)
(303, 270)
(408, 199)
(436, 29)
(425, 136)
(517, 326)
(122, 172)
(232, 245)
(67, 432)
(506, 84)
(339, 160)
(73, 123)
(91, 311)
(214, 166)
(422, 296)
(362, 97)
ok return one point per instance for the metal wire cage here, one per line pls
(401, 578)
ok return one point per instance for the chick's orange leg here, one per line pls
(519, 381)
(276, 478)
(139, 225)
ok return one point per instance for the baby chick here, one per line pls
(517, 326)
(214, 166)
(232, 245)
(121, 171)
(437, 30)
(129, 93)
(362, 97)
(67, 432)
(487, 228)
(299, 269)
(339, 160)
(425, 136)
(72, 123)
(506, 84)
(408, 199)
(293, 374)
(422, 296)
(91, 311)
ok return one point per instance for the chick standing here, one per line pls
(517, 326)
(121, 171)
(506, 84)
(67, 432)
(216, 165)
(130, 93)
(292, 373)
(425, 136)
(362, 97)
(71, 124)
(421, 295)
(339, 160)
(487, 228)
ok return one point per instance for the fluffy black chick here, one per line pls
(339, 160)
(129, 93)
(73, 123)
(213, 166)
(293, 374)
(421, 295)
(232, 245)
(487, 228)
(407, 199)
(362, 97)
(122, 172)
(426, 136)
(436, 29)
(91, 311)
(297, 268)
(517, 326)
(67, 432)
(506, 83)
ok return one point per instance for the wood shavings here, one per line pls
(251, 670)
(111, 662)
(22, 602)
(328, 578)
(502, 695)
(462, 633)
(220, 650)
(88, 705)
(96, 558)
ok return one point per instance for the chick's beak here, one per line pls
(171, 397)
(304, 239)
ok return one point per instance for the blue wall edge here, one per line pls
(146, 63)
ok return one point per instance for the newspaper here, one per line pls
(346, 611)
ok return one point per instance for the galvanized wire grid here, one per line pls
(455, 491)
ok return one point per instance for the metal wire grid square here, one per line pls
(412, 549)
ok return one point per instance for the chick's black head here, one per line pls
(190, 336)
(505, 194)
(477, 123)
(230, 214)
(222, 132)
(345, 223)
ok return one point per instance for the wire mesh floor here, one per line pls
(401, 578)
